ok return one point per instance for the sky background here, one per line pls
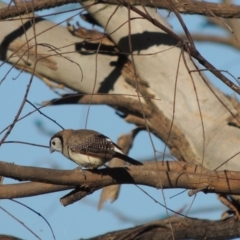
(82, 219)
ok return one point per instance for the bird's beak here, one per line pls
(51, 150)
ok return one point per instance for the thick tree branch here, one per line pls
(8, 237)
(172, 175)
(189, 7)
(183, 6)
(182, 228)
(29, 6)
(30, 189)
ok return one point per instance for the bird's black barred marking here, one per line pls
(95, 145)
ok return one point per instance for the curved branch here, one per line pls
(118, 102)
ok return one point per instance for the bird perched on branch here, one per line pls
(87, 148)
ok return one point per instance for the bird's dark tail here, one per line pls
(127, 159)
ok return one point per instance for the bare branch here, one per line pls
(189, 7)
(173, 175)
(183, 6)
(119, 102)
(183, 228)
(230, 41)
(29, 6)
(30, 189)
(8, 237)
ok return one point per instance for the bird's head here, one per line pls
(59, 139)
(56, 143)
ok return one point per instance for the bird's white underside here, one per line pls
(89, 161)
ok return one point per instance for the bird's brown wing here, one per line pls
(94, 145)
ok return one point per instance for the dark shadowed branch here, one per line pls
(183, 228)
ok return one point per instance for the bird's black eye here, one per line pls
(53, 143)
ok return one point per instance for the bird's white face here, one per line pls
(56, 145)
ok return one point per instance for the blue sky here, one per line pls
(82, 219)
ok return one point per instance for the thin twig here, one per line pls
(39, 214)
(44, 114)
(22, 223)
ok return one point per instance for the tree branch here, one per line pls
(173, 175)
(189, 7)
(183, 6)
(118, 102)
(30, 189)
(30, 6)
(229, 41)
(182, 228)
